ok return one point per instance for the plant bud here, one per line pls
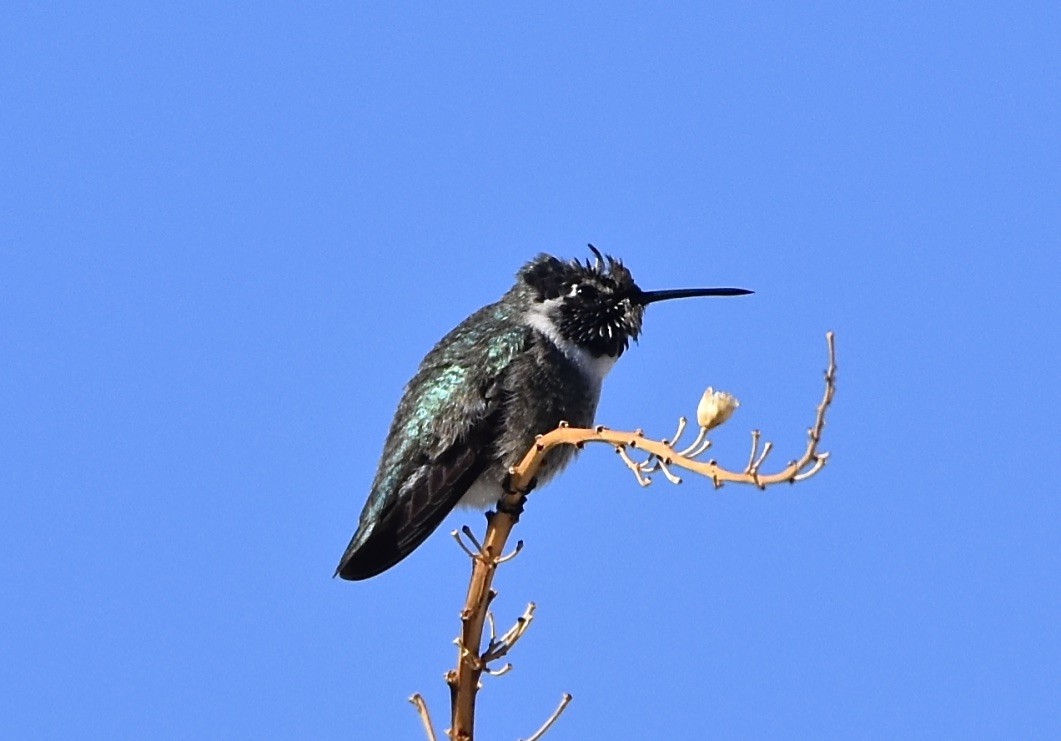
(715, 408)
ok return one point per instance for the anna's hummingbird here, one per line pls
(510, 371)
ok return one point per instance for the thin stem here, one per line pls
(425, 717)
(564, 702)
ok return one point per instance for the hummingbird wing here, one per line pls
(439, 442)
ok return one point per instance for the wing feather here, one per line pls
(430, 494)
(439, 443)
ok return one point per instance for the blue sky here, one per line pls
(229, 232)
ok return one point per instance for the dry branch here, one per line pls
(464, 680)
(662, 453)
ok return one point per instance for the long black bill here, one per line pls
(650, 297)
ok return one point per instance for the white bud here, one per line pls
(715, 408)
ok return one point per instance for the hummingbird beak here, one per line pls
(644, 298)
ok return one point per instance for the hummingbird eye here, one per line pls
(584, 290)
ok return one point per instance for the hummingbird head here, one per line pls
(595, 306)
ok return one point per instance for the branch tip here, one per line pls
(694, 449)
(425, 718)
(475, 541)
(513, 554)
(632, 465)
(564, 702)
(460, 541)
(678, 433)
(667, 472)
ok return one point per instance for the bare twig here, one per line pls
(698, 446)
(564, 702)
(677, 435)
(667, 472)
(425, 717)
(498, 647)
(755, 449)
(505, 669)
(471, 536)
(460, 541)
(635, 467)
(493, 626)
(515, 552)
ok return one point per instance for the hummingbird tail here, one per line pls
(370, 553)
(390, 532)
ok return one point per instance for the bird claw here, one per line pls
(509, 488)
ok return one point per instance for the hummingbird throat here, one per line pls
(542, 317)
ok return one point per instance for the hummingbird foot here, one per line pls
(510, 506)
(513, 501)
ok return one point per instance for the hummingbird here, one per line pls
(513, 370)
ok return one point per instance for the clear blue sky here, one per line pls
(228, 233)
